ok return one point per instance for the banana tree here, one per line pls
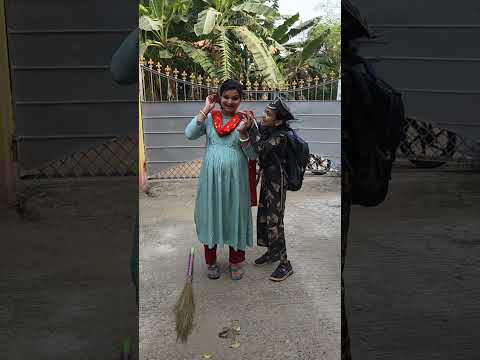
(319, 54)
(236, 38)
(161, 18)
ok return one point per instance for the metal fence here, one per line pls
(428, 145)
(115, 157)
(166, 84)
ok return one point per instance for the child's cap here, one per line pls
(283, 111)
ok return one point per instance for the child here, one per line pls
(270, 143)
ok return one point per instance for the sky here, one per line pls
(310, 8)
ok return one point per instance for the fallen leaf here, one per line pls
(206, 356)
(235, 345)
(224, 333)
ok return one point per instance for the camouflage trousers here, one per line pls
(271, 209)
(346, 204)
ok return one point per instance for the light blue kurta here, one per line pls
(222, 210)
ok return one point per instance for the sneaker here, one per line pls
(213, 272)
(282, 271)
(266, 259)
(236, 271)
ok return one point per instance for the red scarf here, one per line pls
(223, 130)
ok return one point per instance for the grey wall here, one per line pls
(64, 97)
(431, 56)
(167, 146)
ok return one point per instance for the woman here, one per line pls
(222, 210)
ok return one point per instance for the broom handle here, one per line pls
(190, 262)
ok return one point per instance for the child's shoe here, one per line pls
(282, 271)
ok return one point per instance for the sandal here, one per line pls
(236, 271)
(213, 272)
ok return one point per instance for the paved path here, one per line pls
(296, 319)
(412, 269)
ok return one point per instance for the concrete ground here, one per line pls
(297, 319)
(412, 269)
(65, 284)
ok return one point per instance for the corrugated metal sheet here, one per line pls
(65, 99)
(166, 145)
(431, 56)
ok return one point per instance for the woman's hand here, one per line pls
(247, 121)
(210, 103)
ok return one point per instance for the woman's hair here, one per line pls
(231, 84)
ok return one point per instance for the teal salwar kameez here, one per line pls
(222, 210)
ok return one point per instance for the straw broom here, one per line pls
(185, 307)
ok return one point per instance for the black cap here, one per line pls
(353, 24)
(282, 110)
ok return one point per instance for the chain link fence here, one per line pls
(115, 157)
(318, 165)
(429, 145)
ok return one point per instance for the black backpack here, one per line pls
(297, 160)
(375, 137)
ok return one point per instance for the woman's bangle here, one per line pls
(244, 140)
(205, 115)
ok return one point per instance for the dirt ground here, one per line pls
(412, 269)
(296, 319)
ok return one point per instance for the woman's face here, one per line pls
(269, 118)
(230, 101)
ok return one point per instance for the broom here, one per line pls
(185, 307)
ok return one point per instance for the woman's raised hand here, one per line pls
(247, 119)
(210, 103)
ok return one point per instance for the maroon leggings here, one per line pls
(236, 256)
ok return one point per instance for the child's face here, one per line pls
(230, 101)
(269, 118)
